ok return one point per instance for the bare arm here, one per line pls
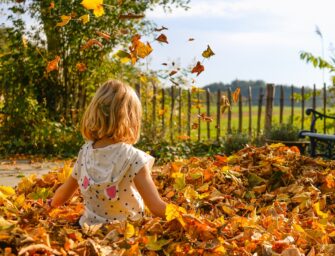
(64, 192)
(147, 189)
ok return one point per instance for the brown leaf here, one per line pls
(90, 43)
(173, 72)
(162, 38)
(131, 16)
(53, 65)
(160, 29)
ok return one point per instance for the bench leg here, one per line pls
(313, 147)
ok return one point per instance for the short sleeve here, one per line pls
(139, 160)
(77, 166)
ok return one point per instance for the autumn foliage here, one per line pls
(269, 200)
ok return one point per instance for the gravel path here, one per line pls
(11, 172)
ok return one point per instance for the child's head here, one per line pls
(115, 112)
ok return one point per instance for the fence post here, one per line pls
(199, 120)
(302, 107)
(240, 113)
(250, 111)
(189, 104)
(218, 115)
(281, 104)
(292, 104)
(179, 111)
(269, 106)
(154, 110)
(171, 114)
(163, 112)
(259, 116)
(324, 106)
(229, 111)
(208, 113)
(314, 97)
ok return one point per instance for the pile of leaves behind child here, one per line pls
(261, 201)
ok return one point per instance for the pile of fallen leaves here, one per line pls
(260, 201)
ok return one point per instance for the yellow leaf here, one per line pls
(228, 210)
(64, 173)
(179, 179)
(130, 231)
(208, 52)
(298, 228)
(190, 194)
(320, 213)
(154, 244)
(174, 212)
(95, 5)
(7, 191)
(84, 18)
(143, 50)
(20, 200)
(65, 20)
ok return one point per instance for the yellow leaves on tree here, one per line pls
(65, 20)
(53, 65)
(95, 5)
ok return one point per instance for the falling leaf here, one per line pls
(162, 38)
(53, 65)
(205, 118)
(160, 29)
(164, 64)
(224, 103)
(139, 49)
(198, 68)
(173, 72)
(104, 35)
(191, 39)
(236, 94)
(84, 18)
(65, 20)
(208, 52)
(183, 137)
(90, 43)
(95, 5)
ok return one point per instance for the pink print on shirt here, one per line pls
(86, 182)
(111, 192)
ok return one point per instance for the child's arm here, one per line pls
(64, 192)
(147, 189)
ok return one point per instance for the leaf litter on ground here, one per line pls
(269, 200)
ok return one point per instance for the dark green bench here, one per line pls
(327, 141)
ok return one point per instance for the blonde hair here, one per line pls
(115, 112)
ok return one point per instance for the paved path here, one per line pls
(11, 172)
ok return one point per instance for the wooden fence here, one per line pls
(181, 114)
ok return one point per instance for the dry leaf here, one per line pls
(162, 38)
(198, 68)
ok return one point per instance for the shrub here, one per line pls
(234, 142)
(283, 132)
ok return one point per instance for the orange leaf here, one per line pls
(53, 65)
(162, 38)
(236, 94)
(52, 5)
(198, 68)
(139, 49)
(195, 125)
(90, 43)
(81, 67)
(103, 35)
(65, 20)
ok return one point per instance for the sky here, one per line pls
(251, 39)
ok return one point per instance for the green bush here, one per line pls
(283, 132)
(234, 142)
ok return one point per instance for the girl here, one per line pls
(113, 176)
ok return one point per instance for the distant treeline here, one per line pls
(255, 88)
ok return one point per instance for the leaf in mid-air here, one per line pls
(65, 20)
(53, 64)
(84, 18)
(162, 38)
(95, 5)
(139, 49)
(208, 52)
(199, 68)
(81, 67)
(160, 29)
(236, 94)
